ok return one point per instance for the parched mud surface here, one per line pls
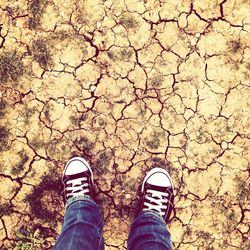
(128, 85)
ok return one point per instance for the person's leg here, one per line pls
(149, 230)
(83, 222)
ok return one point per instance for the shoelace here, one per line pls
(155, 201)
(78, 186)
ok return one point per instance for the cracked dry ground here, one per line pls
(127, 85)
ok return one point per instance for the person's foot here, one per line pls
(157, 193)
(77, 178)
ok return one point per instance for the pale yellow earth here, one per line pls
(128, 85)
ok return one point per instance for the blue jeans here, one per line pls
(83, 225)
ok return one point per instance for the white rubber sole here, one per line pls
(81, 160)
(153, 171)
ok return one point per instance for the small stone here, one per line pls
(224, 145)
(127, 196)
(92, 88)
(98, 24)
(193, 42)
(198, 35)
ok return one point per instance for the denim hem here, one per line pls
(151, 212)
(77, 198)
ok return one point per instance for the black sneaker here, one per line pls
(77, 178)
(157, 193)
